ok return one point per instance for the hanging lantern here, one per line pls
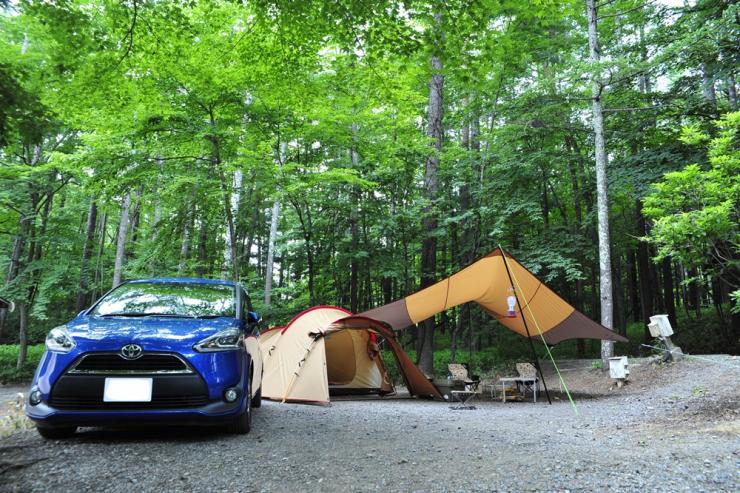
(511, 301)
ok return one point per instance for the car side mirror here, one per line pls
(253, 318)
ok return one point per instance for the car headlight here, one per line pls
(60, 340)
(226, 340)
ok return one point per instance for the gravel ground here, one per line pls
(673, 428)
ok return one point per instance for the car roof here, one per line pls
(185, 280)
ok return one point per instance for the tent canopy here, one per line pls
(326, 347)
(487, 282)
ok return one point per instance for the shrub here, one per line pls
(9, 358)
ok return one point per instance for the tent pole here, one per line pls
(526, 327)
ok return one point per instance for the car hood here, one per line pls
(163, 334)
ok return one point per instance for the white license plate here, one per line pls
(128, 390)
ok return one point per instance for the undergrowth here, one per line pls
(9, 357)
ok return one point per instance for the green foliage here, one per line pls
(696, 211)
(9, 357)
(169, 105)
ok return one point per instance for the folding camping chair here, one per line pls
(459, 373)
(527, 381)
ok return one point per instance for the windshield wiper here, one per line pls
(143, 314)
(209, 316)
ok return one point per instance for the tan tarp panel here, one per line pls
(316, 348)
(487, 282)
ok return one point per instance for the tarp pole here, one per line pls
(526, 327)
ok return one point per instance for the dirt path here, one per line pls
(674, 428)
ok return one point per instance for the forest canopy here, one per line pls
(351, 152)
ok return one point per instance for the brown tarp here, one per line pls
(487, 283)
(416, 383)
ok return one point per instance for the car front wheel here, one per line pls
(56, 432)
(242, 423)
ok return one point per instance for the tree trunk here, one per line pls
(153, 264)
(429, 221)
(270, 264)
(304, 219)
(19, 244)
(620, 323)
(135, 216)
(231, 262)
(274, 222)
(200, 268)
(185, 245)
(121, 243)
(573, 148)
(668, 298)
(634, 288)
(187, 230)
(83, 291)
(22, 335)
(707, 86)
(732, 91)
(100, 260)
(647, 279)
(34, 254)
(695, 292)
(602, 197)
(354, 267)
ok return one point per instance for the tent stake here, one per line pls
(526, 327)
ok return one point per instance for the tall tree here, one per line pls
(274, 221)
(123, 224)
(429, 221)
(602, 195)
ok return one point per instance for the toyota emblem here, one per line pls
(131, 351)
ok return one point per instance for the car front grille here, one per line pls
(85, 392)
(114, 363)
(158, 402)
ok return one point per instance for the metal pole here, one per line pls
(526, 327)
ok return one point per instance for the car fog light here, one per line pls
(231, 395)
(35, 397)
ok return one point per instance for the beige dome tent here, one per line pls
(327, 348)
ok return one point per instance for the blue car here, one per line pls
(180, 351)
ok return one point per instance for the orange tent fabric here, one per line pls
(487, 283)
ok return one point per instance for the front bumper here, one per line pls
(77, 399)
(212, 413)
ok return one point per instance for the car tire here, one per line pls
(242, 423)
(257, 399)
(56, 433)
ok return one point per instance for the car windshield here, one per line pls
(168, 299)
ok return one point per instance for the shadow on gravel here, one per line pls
(135, 434)
(577, 396)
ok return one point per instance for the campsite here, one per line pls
(369, 245)
(674, 428)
